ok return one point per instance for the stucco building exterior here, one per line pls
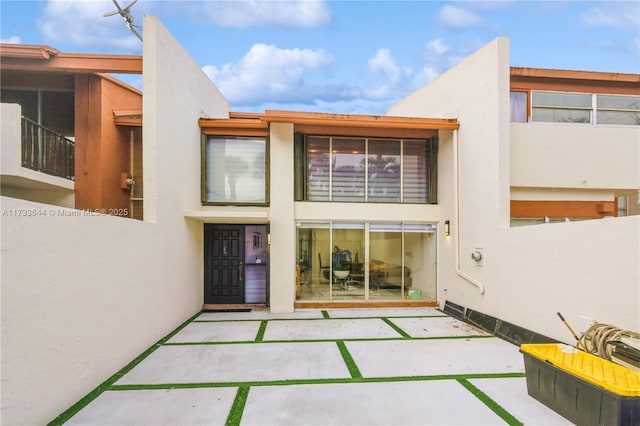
(417, 207)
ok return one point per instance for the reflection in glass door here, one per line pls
(419, 257)
(386, 276)
(348, 278)
(366, 261)
(313, 253)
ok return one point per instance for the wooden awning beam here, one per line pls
(521, 72)
(44, 59)
(353, 120)
(256, 124)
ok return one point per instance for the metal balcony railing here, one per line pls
(46, 151)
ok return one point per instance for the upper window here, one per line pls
(518, 104)
(561, 107)
(587, 108)
(365, 170)
(618, 109)
(235, 170)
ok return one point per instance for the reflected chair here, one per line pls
(324, 271)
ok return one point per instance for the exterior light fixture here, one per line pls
(447, 228)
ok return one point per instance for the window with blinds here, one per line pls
(372, 170)
(383, 166)
(235, 170)
(347, 169)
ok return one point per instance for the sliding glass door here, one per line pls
(342, 261)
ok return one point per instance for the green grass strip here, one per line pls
(322, 381)
(325, 316)
(396, 328)
(261, 330)
(355, 339)
(348, 359)
(237, 409)
(85, 400)
(494, 406)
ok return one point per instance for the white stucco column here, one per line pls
(283, 242)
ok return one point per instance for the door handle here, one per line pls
(241, 267)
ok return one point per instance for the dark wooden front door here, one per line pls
(223, 264)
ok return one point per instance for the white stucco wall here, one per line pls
(84, 295)
(575, 156)
(581, 269)
(589, 268)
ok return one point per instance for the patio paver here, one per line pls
(413, 366)
(436, 357)
(161, 407)
(367, 404)
(334, 329)
(239, 363)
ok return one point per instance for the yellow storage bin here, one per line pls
(582, 387)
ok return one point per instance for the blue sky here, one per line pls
(340, 56)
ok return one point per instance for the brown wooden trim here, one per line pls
(367, 304)
(32, 51)
(31, 58)
(128, 121)
(127, 117)
(562, 209)
(223, 306)
(524, 79)
(256, 124)
(366, 132)
(226, 131)
(367, 121)
(236, 125)
(612, 88)
(574, 75)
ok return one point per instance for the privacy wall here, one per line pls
(84, 294)
(582, 269)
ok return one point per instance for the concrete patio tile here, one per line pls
(197, 332)
(511, 394)
(168, 407)
(384, 312)
(258, 315)
(435, 402)
(397, 358)
(436, 327)
(223, 353)
(335, 329)
(238, 363)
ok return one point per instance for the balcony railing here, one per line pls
(46, 151)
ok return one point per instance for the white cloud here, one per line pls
(269, 73)
(436, 47)
(269, 77)
(383, 61)
(617, 14)
(248, 13)
(460, 18)
(439, 56)
(11, 40)
(81, 23)
(396, 78)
